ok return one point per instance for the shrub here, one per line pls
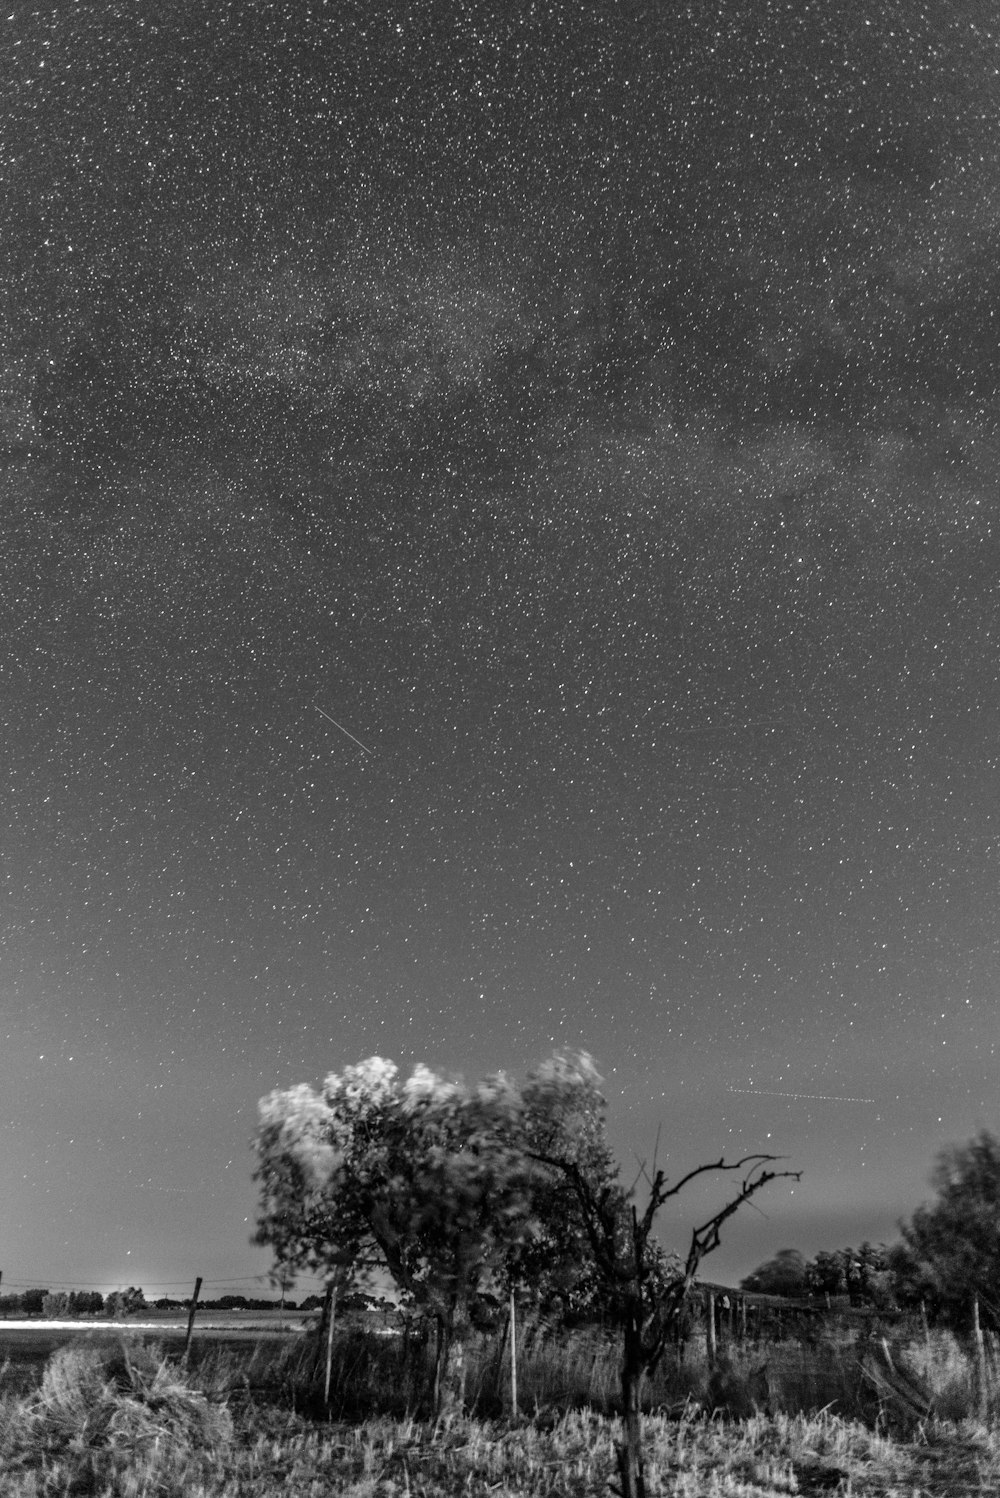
(125, 1302)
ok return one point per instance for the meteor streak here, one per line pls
(343, 729)
(812, 1097)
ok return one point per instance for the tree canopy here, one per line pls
(952, 1245)
(435, 1181)
(785, 1274)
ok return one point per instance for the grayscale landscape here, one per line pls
(499, 716)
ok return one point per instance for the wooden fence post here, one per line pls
(190, 1327)
(513, 1356)
(981, 1386)
(332, 1294)
(324, 1322)
(710, 1329)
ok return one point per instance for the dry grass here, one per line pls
(126, 1423)
(98, 1416)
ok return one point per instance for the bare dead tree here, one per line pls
(645, 1294)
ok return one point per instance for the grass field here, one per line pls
(246, 1419)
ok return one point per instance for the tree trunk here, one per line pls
(450, 1366)
(629, 1451)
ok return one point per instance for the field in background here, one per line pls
(841, 1412)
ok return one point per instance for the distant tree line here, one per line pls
(53, 1304)
(239, 1303)
(948, 1252)
(58, 1304)
(861, 1274)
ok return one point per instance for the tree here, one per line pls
(825, 1274)
(425, 1178)
(645, 1295)
(873, 1280)
(953, 1243)
(645, 1292)
(458, 1190)
(785, 1274)
(563, 1114)
(125, 1302)
(85, 1302)
(911, 1282)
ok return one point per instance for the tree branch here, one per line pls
(699, 1170)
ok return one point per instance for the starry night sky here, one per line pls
(592, 410)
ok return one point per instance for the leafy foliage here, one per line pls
(952, 1245)
(785, 1274)
(427, 1179)
(860, 1273)
(563, 1119)
(85, 1302)
(825, 1273)
(125, 1302)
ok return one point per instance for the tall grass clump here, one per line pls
(949, 1370)
(250, 1421)
(102, 1414)
(379, 1375)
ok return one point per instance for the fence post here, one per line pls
(190, 1327)
(324, 1322)
(710, 1329)
(977, 1332)
(332, 1293)
(513, 1356)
